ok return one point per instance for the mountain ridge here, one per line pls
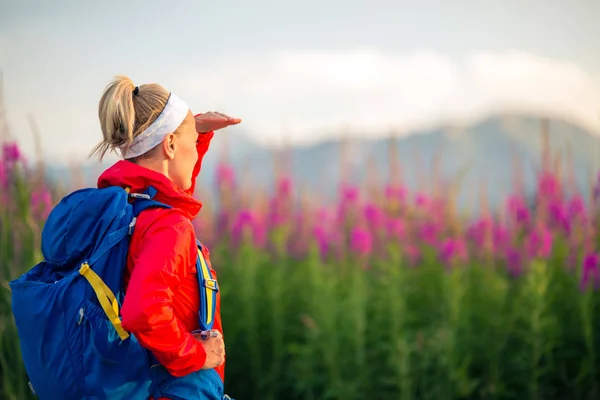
(482, 153)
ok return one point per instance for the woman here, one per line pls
(163, 144)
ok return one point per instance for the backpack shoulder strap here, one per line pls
(208, 292)
(144, 201)
(106, 297)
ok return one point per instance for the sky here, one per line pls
(300, 72)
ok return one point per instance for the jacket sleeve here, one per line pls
(147, 312)
(204, 139)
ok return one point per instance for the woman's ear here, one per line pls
(169, 146)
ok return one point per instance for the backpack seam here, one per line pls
(76, 366)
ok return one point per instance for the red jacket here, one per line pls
(162, 295)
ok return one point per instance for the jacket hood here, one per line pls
(127, 174)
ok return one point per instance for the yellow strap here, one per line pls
(209, 292)
(106, 298)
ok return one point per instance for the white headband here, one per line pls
(167, 122)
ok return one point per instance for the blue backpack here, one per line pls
(66, 308)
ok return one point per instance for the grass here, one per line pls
(380, 298)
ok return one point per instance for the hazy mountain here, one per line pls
(475, 156)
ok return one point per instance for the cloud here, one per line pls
(523, 82)
(316, 93)
(312, 95)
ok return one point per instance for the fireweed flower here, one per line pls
(453, 250)
(364, 227)
(518, 210)
(501, 237)
(539, 243)
(248, 222)
(243, 219)
(284, 187)
(280, 205)
(3, 175)
(429, 232)
(577, 211)
(322, 238)
(374, 216)
(480, 231)
(396, 228)
(323, 216)
(9, 158)
(225, 175)
(347, 207)
(559, 216)
(422, 200)
(279, 212)
(350, 194)
(395, 193)
(590, 275)
(514, 262)
(361, 241)
(576, 206)
(548, 186)
(41, 203)
(11, 153)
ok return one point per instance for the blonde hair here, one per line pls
(124, 115)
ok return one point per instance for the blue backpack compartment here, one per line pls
(71, 348)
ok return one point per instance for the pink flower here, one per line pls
(429, 231)
(396, 228)
(279, 212)
(559, 215)
(374, 215)
(548, 186)
(322, 240)
(590, 272)
(249, 222)
(350, 194)
(11, 153)
(225, 175)
(514, 262)
(284, 187)
(518, 209)
(361, 241)
(540, 243)
(41, 203)
(577, 209)
(576, 206)
(501, 237)
(395, 193)
(422, 200)
(453, 250)
(480, 231)
(3, 176)
(10, 156)
(347, 207)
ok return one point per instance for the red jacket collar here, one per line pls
(127, 174)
